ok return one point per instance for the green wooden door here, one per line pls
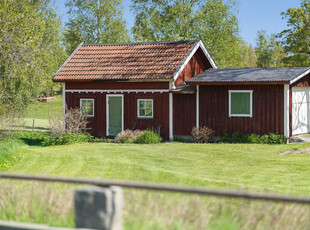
(115, 115)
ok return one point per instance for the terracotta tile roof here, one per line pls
(124, 61)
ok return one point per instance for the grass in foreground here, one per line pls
(233, 166)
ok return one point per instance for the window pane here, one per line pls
(149, 112)
(141, 104)
(142, 112)
(148, 105)
(90, 104)
(240, 103)
(89, 111)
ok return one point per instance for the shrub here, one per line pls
(148, 137)
(66, 138)
(74, 120)
(128, 136)
(45, 139)
(202, 134)
(239, 137)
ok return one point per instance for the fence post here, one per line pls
(99, 208)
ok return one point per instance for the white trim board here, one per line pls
(251, 103)
(64, 105)
(171, 116)
(300, 76)
(197, 106)
(117, 91)
(286, 110)
(107, 111)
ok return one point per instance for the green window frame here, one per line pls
(240, 103)
(145, 108)
(87, 107)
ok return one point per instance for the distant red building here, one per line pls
(175, 86)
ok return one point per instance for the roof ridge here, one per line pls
(141, 43)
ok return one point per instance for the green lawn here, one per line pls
(226, 166)
(235, 166)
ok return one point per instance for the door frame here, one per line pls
(107, 110)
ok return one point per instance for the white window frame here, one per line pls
(87, 99)
(138, 108)
(251, 103)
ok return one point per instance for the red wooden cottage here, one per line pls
(174, 86)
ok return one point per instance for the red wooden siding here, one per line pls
(268, 111)
(98, 122)
(303, 82)
(184, 113)
(117, 85)
(197, 64)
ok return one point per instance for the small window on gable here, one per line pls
(87, 107)
(145, 108)
(240, 103)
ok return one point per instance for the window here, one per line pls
(240, 103)
(145, 108)
(87, 107)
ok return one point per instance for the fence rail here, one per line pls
(164, 188)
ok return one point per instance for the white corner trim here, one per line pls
(197, 106)
(107, 111)
(286, 111)
(251, 103)
(64, 105)
(171, 116)
(300, 76)
(117, 90)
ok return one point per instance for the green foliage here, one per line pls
(45, 139)
(94, 21)
(212, 21)
(268, 51)
(149, 137)
(30, 52)
(295, 39)
(239, 137)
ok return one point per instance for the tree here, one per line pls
(268, 51)
(296, 39)
(94, 21)
(249, 56)
(213, 21)
(30, 52)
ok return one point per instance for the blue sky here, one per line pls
(253, 15)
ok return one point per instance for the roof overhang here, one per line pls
(65, 63)
(240, 83)
(299, 77)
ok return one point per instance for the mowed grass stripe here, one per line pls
(234, 166)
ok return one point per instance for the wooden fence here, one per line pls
(101, 206)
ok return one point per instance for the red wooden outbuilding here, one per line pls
(175, 86)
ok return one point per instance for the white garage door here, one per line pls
(301, 110)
